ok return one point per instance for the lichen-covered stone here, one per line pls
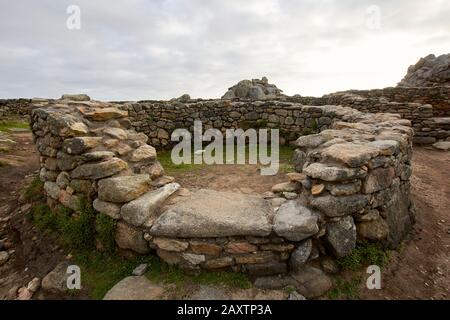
(329, 173)
(200, 247)
(142, 211)
(102, 114)
(99, 170)
(170, 244)
(129, 237)
(110, 209)
(338, 206)
(374, 230)
(240, 247)
(123, 188)
(79, 145)
(351, 154)
(300, 255)
(341, 236)
(312, 282)
(295, 222)
(143, 153)
(378, 179)
(52, 189)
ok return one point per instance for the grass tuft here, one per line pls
(364, 254)
(7, 125)
(35, 190)
(345, 289)
(105, 227)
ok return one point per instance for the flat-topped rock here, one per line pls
(102, 114)
(209, 213)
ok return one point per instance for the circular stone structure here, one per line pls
(352, 184)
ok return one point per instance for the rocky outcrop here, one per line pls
(430, 71)
(255, 90)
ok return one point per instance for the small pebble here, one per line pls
(140, 270)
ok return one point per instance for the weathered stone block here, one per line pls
(341, 236)
(142, 211)
(129, 237)
(295, 222)
(99, 170)
(123, 188)
(378, 179)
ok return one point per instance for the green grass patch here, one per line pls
(345, 289)
(106, 227)
(43, 218)
(35, 190)
(101, 271)
(7, 125)
(364, 254)
(285, 154)
(76, 231)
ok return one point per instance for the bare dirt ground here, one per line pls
(231, 177)
(420, 270)
(34, 254)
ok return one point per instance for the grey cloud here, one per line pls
(139, 49)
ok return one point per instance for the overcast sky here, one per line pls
(160, 49)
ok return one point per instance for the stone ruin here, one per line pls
(352, 183)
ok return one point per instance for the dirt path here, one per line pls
(420, 271)
(31, 253)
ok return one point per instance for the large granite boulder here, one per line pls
(255, 89)
(430, 71)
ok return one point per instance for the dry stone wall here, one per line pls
(88, 152)
(158, 119)
(352, 183)
(438, 97)
(427, 108)
(14, 107)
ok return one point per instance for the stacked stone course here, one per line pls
(89, 151)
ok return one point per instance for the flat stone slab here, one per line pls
(209, 213)
(135, 288)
